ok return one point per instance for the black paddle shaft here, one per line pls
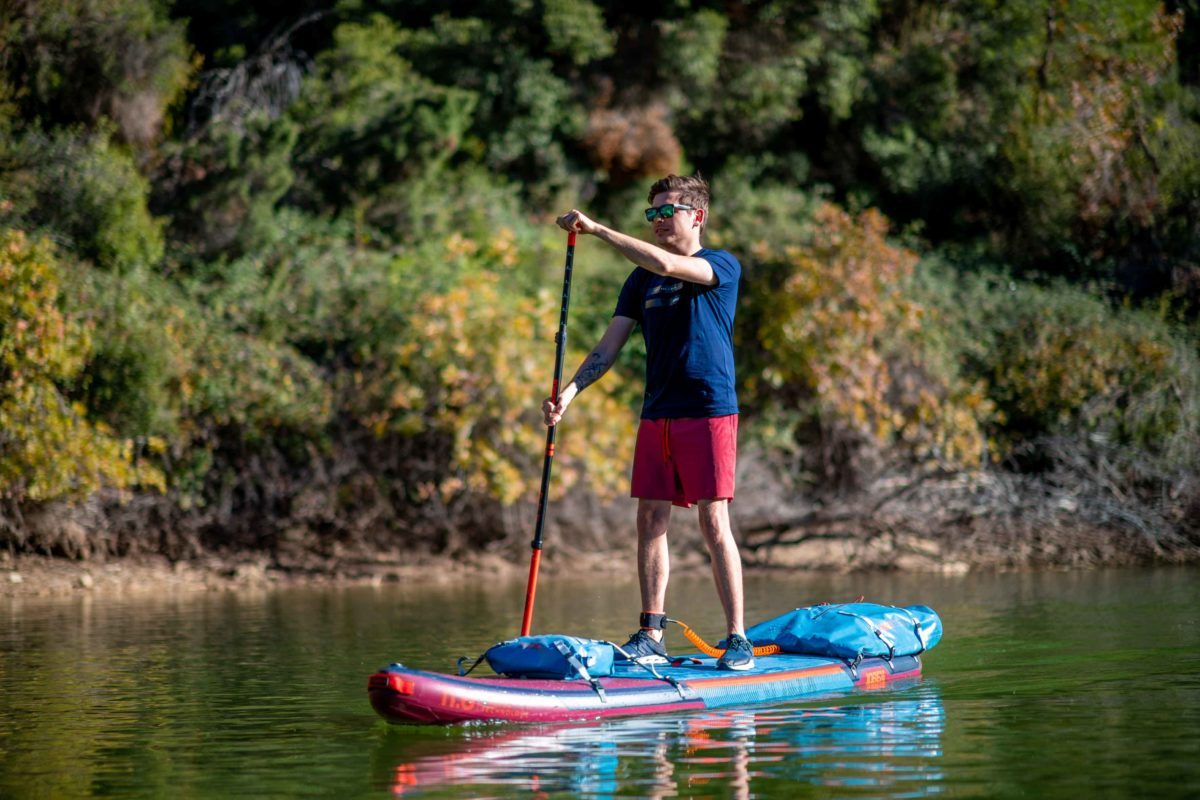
(560, 340)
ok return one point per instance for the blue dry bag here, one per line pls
(852, 631)
(551, 656)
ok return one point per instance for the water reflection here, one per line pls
(869, 747)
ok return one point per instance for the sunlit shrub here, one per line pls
(837, 338)
(527, 113)
(1084, 142)
(310, 286)
(691, 47)
(575, 30)
(475, 363)
(49, 448)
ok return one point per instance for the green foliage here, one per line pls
(838, 42)
(163, 365)
(8, 106)
(1081, 133)
(1058, 360)
(77, 61)
(775, 61)
(1040, 128)
(369, 121)
(49, 447)
(362, 257)
(762, 78)
(575, 30)
(531, 142)
(939, 83)
(224, 183)
(470, 365)
(527, 115)
(426, 340)
(311, 287)
(84, 191)
(691, 53)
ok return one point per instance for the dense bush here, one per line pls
(1058, 360)
(370, 121)
(834, 338)
(83, 191)
(473, 363)
(50, 446)
(84, 61)
(163, 367)
(281, 243)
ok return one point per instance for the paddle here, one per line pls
(561, 340)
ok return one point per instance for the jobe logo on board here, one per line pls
(457, 703)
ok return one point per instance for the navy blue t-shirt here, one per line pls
(688, 328)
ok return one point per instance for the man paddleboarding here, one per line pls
(684, 296)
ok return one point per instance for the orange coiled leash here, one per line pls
(716, 652)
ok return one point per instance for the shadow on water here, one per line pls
(870, 746)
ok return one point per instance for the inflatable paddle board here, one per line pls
(404, 695)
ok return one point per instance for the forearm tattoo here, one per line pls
(593, 367)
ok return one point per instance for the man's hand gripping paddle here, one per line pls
(561, 341)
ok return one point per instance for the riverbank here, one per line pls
(932, 523)
(811, 547)
(27, 575)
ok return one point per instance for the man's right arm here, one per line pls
(603, 356)
(646, 255)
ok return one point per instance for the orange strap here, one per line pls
(709, 650)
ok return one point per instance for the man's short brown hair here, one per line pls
(693, 189)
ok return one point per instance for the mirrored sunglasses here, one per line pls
(666, 211)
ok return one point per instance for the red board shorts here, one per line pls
(685, 460)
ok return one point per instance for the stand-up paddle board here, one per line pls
(550, 678)
(401, 694)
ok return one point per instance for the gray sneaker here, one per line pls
(643, 649)
(739, 654)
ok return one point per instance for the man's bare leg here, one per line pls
(654, 568)
(726, 561)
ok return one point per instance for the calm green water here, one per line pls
(1045, 685)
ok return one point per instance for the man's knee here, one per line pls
(714, 519)
(653, 516)
(714, 511)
